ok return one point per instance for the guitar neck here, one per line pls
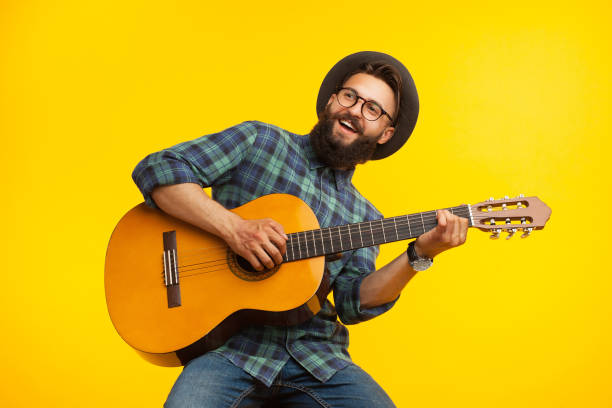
(332, 240)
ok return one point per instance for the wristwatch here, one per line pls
(418, 263)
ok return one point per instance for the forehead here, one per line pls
(372, 88)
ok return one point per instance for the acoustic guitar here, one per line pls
(174, 291)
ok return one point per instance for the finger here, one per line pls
(264, 258)
(464, 228)
(450, 228)
(252, 259)
(278, 228)
(441, 218)
(273, 252)
(278, 240)
(457, 231)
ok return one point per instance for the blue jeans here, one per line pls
(213, 381)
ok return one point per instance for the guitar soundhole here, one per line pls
(244, 270)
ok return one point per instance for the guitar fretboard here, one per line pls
(332, 240)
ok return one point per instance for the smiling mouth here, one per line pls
(347, 125)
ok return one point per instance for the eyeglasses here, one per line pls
(370, 110)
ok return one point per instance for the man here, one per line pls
(367, 108)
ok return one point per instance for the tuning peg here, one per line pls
(511, 233)
(521, 196)
(527, 232)
(506, 197)
(491, 199)
(495, 234)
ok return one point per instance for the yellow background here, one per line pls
(515, 98)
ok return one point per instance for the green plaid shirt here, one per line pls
(253, 159)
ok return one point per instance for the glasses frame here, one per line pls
(383, 112)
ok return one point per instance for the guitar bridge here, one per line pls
(171, 275)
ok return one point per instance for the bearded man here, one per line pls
(367, 108)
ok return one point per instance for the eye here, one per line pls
(372, 108)
(348, 94)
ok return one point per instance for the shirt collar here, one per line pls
(342, 178)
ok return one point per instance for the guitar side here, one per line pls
(215, 301)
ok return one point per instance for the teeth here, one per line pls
(347, 124)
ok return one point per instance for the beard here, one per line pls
(331, 151)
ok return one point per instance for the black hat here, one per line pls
(409, 100)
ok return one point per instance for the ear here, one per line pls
(387, 134)
(331, 99)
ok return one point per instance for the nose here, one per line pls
(356, 108)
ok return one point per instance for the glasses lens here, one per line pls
(347, 98)
(371, 111)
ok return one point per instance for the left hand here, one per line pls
(450, 232)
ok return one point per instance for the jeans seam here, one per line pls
(242, 396)
(311, 393)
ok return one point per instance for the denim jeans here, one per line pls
(213, 381)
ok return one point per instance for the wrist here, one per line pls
(227, 225)
(418, 262)
(421, 252)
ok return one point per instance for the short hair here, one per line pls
(384, 71)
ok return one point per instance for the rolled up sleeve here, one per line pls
(347, 288)
(207, 161)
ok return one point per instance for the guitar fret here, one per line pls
(322, 241)
(350, 236)
(340, 238)
(409, 229)
(422, 222)
(331, 241)
(360, 236)
(395, 226)
(314, 243)
(382, 225)
(371, 232)
(299, 245)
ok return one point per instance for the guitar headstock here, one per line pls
(511, 215)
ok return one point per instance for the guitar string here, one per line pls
(375, 226)
(183, 270)
(375, 229)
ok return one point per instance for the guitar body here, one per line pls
(218, 295)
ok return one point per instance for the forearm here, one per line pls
(189, 202)
(385, 284)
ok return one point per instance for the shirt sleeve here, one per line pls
(207, 161)
(348, 283)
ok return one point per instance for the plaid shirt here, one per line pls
(253, 159)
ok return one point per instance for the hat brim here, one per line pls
(409, 100)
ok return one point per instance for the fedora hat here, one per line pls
(409, 100)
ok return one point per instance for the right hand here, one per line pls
(262, 242)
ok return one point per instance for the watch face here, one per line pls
(421, 264)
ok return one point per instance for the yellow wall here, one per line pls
(515, 98)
